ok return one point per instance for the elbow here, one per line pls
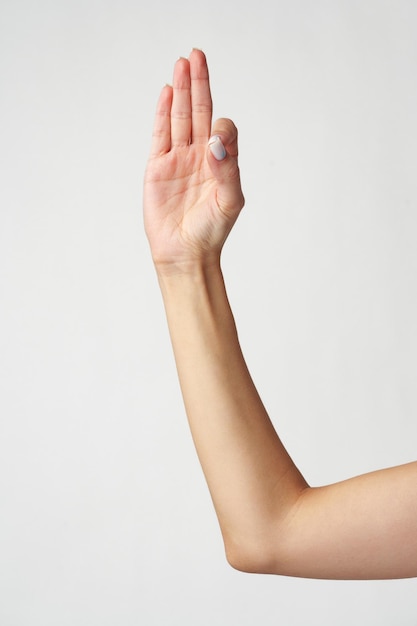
(268, 546)
(241, 561)
(237, 557)
(255, 557)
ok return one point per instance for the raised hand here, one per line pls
(192, 191)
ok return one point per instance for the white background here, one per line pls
(105, 517)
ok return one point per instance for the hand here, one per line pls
(192, 191)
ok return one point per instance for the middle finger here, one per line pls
(181, 104)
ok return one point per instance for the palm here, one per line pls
(180, 191)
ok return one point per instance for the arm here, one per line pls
(270, 519)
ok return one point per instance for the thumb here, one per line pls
(222, 158)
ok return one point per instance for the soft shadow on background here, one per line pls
(105, 517)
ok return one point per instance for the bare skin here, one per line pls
(270, 519)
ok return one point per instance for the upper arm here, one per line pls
(361, 528)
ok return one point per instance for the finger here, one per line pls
(161, 136)
(222, 157)
(201, 102)
(181, 104)
(226, 130)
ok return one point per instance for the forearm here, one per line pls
(252, 480)
(271, 521)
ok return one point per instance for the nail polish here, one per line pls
(217, 149)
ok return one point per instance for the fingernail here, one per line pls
(217, 149)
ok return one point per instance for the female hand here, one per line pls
(192, 191)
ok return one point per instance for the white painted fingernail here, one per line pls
(217, 149)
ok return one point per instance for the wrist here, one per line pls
(192, 270)
(192, 288)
